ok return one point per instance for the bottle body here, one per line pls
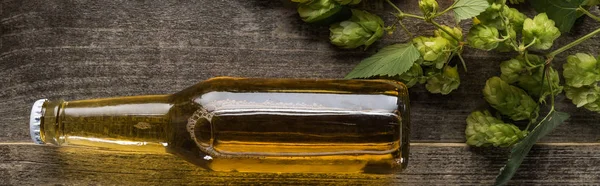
(251, 125)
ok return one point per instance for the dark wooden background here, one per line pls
(88, 49)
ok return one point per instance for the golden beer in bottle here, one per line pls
(246, 124)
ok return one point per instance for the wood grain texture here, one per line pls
(88, 49)
(430, 164)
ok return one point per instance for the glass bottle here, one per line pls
(246, 124)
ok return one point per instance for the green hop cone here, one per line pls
(594, 106)
(484, 130)
(581, 70)
(318, 10)
(515, 71)
(483, 37)
(433, 50)
(348, 2)
(505, 135)
(456, 31)
(413, 76)
(445, 82)
(363, 28)
(540, 32)
(583, 95)
(491, 16)
(512, 70)
(429, 7)
(509, 100)
(532, 83)
(515, 17)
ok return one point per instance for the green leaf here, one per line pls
(563, 12)
(520, 150)
(389, 61)
(466, 9)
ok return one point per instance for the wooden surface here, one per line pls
(430, 164)
(87, 49)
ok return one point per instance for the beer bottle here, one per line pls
(246, 124)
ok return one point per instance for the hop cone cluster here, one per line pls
(317, 10)
(363, 28)
(445, 82)
(515, 71)
(483, 37)
(413, 76)
(582, 79)
(433, 50)
(483, 130)
(540, 31)
(429, 7)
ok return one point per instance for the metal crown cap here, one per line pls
(35, 121)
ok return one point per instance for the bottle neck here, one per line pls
(137, 122)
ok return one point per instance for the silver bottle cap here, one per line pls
(35, 121)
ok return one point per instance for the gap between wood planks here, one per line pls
(422, 144)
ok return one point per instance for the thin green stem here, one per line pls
(462, 60)
(405, 29)
(545, 118)
(546, 70)
(413, 16)
(588, 13)
(572, 44)
(532, 42)
(446, 10)
(525, 55)
(394, 6)
(444, 29)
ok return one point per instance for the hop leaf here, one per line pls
(429, 7)
(483, 37)
(466, 9)
(484, 130)
(444, 82)
(510, 100)
(433, 50)
(581, 70)
(540, 31)
(456, 31)
(318, 10)
(413, 76)
(584, 95)
(515, 71)
(348, 2)
(362, 29)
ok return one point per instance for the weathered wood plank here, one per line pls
(430, 164)
(90, 49)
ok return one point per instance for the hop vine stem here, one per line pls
(401, 15)
(588, 13)
(446, 10)
(572, 44)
